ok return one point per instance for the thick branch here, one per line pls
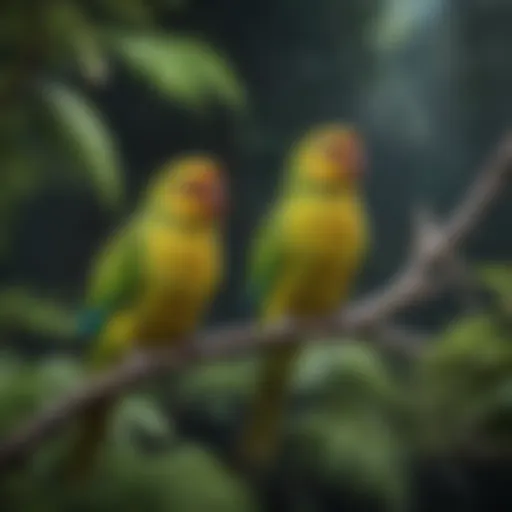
(414, 283)
(368, 316)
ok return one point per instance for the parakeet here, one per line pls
(304, 259)
(153, 280)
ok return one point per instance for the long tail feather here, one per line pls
(259, 440)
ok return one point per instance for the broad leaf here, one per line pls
(216, 389)
(497, 278)
(137, 413)
(347, 373)
(84, 137)
(21, 309)
(350, 450)
(181, 68)
(464, 378)
(126, 478)
(57, 376)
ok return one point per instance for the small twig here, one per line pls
(370, 315)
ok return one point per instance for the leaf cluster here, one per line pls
(59, 52)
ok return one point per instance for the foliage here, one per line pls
(79, 128)
(352, 436)
(354, 423)
(179, 476)
(357, 424)
(50, 129)
(22, 308)
(496, 278)
(181, 68)
(344, 425)
(465, 377)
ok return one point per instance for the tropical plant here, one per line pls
(130, 475)
(50, 129)
(465, 377)
(355, 426)
(347, 427)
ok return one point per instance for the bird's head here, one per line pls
(332, 157)
(191, 188)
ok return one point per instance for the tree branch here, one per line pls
(415, 283)
(368, 317)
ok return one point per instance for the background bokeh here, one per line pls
(95, 95)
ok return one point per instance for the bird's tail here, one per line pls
(86, 446)
(260, 436)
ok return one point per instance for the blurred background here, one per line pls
(94, 95)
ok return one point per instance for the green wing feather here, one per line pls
(114, 281)
(259, 434)
(266, 260)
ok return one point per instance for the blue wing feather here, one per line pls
(90, 322)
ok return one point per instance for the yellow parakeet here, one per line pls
(304, 259)
(153, 280)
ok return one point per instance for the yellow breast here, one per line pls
(182, 272)
(327, 229)
(326, 241)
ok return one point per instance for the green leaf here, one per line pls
(181, 68)
(346, 373)
(10, 366)
(85, 138)
(21, 309)
(216, 389)
(137, 413)
(235, 378)
(197, 481)
(468, 342)
(25, 386)
(185, 478)
(351, 450)
(497, 278)
(57, 375)
(462, 378)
